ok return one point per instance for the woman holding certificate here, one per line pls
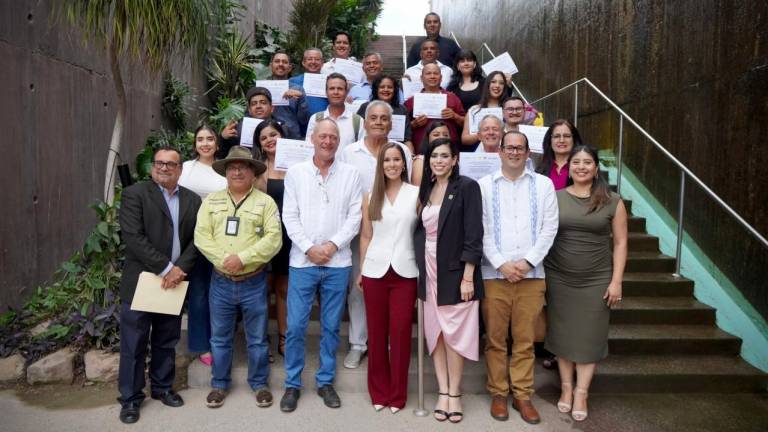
(494, 91)
(386, 88)
(264, 148)
(449, 247)
(389, 277)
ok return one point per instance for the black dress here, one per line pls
(275, 189)
(468, 98)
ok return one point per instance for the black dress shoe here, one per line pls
(329, 395)
(170, 398)
(129, 413)
(290, 399)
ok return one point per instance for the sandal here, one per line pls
(579, 415)
(215, 398)
(281, 345)
(443, 414)
(452, 415)
(549, 362)
(206, 359)
(565, 388)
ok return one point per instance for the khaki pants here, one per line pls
(516, 306)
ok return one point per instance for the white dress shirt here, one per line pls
(345, 123)
(415, 73)
(201, 178)
(317, 209)
(358, 155)
(519, 223)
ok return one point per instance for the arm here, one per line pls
(204, 236)
(490, 251)
(366, 233)
(136, 241)
(550, 219)
(418, 171)
(473, 222)
(269, 244)
(188, 256)
(292, 215)
(302, 110)
(468, 138)
(351, 226)
(619, 231)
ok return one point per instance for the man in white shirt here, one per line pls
(430, 51)
(520, 220)
(373, 66)
(321, 213)
(344, 116)
(362, 155)
(489, 132)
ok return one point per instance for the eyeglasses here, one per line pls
(514, 149)
(514, 109)
(162, 164)
(562, 136)
(237, 168)
(324, 190)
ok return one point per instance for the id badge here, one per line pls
(233, 225)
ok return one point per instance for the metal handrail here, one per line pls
(405, 55)
(685, 171)
(522, 96)
(455, 40)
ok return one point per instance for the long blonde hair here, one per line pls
(380, 181)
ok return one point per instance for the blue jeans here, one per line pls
(303, 284)
(199, 315)
(225, 297)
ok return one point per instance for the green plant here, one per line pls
(358, 18)
(177, 95)
(181, 140)
(309, 21)
(225, 111)
(230, 71)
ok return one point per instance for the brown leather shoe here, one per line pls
(527, 412)
(499, 409)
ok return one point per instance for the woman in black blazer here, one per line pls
(449, 247)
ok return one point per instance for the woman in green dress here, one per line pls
(584, 270)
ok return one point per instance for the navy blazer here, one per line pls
(147, 231)
(459, 240)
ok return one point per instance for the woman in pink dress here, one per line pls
(449, 247)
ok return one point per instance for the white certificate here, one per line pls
(410, 88)
(246, 131)
(398, 128)
(354, 106)
(535, 135)
(429, 104)
(289, 152)
(351, 70)
(277, 89)
(478, 165)
(478, 115)
(150, 296)
(314, 85)
(502, 63)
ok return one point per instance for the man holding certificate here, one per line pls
(312, 62)
(294, 112)
(157, 221)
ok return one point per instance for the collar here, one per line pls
(346, 114)
(331, 169)
(420, 65)
(164, 191)
(245, 197)
(528, 171)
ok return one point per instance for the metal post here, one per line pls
(618, 156)
(681, 206)
(419, 410)
(576, 105)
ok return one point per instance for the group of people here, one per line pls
(371, 224)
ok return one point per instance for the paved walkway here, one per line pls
(625, 413)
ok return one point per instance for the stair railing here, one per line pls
(517, 90)
(405, 54)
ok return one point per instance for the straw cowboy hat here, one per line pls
(239, 154)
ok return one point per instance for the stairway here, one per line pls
(391, 50)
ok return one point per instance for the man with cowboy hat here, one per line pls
(238, 230)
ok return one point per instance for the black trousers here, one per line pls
(136, 329)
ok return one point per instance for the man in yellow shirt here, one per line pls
(238, 230)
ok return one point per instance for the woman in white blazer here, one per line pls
(388, 277)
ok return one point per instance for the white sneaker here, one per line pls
(353, 357)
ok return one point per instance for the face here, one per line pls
(240, 176)
(562, 140)
(341, 46)
(496, 86)
(513, 153)
(431, 76)
(439, 132)
(466, 66)
(393, 164)
(429, 51)
(386, 90)
(514, 111)
(489, 132)
(336, 90)
(312, 61)
(582, 168)
(167, 174)
(281, 66)
(260, 107)
(442, 161)
(432, 25)
(268, 139)
(378, 122)
(325, 138)
(372, 67)
(205, 143)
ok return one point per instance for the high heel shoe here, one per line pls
(394, 410)
(566, 388)
(378, 407)
(452, 415)
(579, 415)
(438, 412)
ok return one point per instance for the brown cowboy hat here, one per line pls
(239, 154)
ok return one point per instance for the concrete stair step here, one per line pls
(636, 224)
(666, 339)
(640, 241)
(649, 262)
(656, 284)
(662, 310)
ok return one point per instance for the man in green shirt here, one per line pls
(238, 230)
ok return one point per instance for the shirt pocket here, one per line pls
(252, 222)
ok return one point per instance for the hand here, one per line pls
(330, 249)
(521, 268)
(317, 255)
(292, 94)
(232, 264)
(230, 130)
(359, 284)
(349, 99)
(419, 121)
(448, 114)
(173, 277)
(467, 289)
(509, 272)
(508, 78)
(613, 294)
(408, 77)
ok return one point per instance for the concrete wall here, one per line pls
(57, 119)
(691, 72)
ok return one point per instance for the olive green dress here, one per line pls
(578, 268)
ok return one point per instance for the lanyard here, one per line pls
(238, 205)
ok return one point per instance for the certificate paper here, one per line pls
(478, 115)
(478, 165)
(290, 152)
(398, 128)
(351, 70)
(429, 104)
(314, 85)
(150, 296)
(246, 131)
(535, 136)
(355, 104)
(277, 89)
(410, 88)
(502, 63)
